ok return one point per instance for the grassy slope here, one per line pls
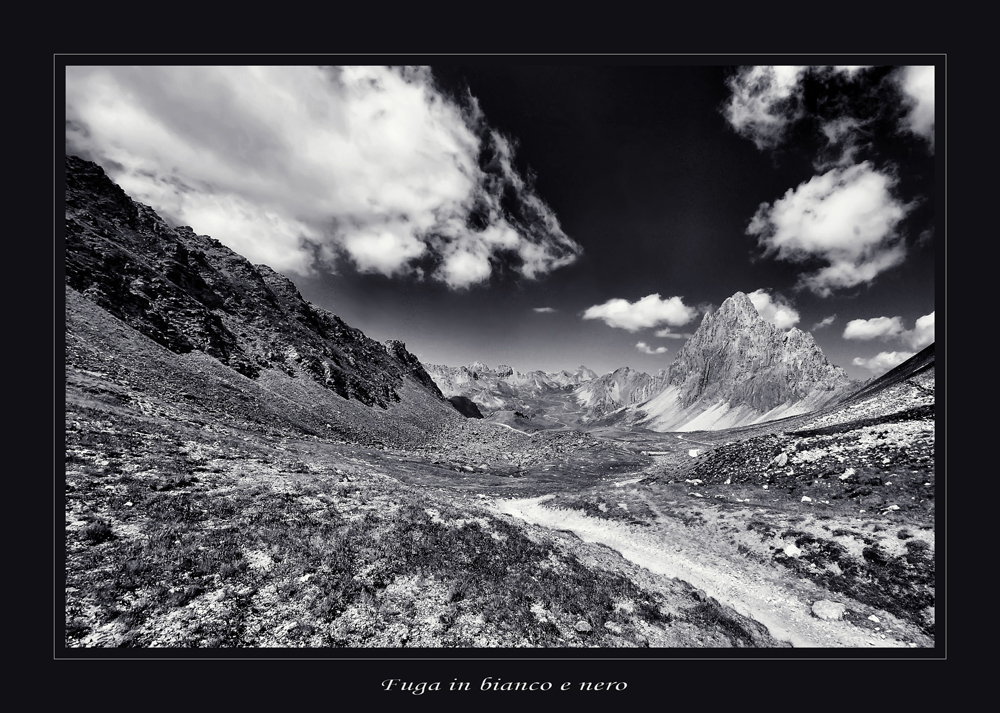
(204, 509)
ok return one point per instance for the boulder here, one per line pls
(828, 611)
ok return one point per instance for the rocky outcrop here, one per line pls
(738, 358)
(190, 293)
(466, 407)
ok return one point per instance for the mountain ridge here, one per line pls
(189, 294)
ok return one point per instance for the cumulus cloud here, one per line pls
(883, 361)
(764, 102)
(825, 322)
(650, 311)
(290, 164)
(917, 85)
(922, 335)
(646, 349)
(874, 328)
(767, 100)
(544, 310)
(846, 217)
(885, 328)
(776, 310)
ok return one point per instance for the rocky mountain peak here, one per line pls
(738, 309)
(738, 358)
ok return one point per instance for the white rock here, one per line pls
(872, 617)
(792, 551)
(830, 611)
(806, 499)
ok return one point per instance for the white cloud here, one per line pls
(764, 102)
(883, 361)
(885, 328)
(851, 70)
(372, 164)
(825, 322)
(922, 334)
(544, 310)
(669, 334)
(776, 310)
(846, 217)
(646, 349)
(917, 84)
(874, 328)
(844, 141)
(650, 311)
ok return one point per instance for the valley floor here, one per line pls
(197, 534)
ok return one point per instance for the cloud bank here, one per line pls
(302, 167)
(650, 311)
(845, 217)
(544, 310)
(776, 310)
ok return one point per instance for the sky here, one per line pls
(553, 213)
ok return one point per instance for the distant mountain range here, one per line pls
(503, 388)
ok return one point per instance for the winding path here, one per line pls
(698, 557)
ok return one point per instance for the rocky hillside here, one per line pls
(190, 295)
(874, 449)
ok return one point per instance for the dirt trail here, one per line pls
(700, 557)
(517, 430)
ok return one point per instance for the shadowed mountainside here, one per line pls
(191, 294)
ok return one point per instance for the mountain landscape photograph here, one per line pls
(623, 353)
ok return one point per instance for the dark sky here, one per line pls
(623, 182)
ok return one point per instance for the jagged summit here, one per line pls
(738, 368)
